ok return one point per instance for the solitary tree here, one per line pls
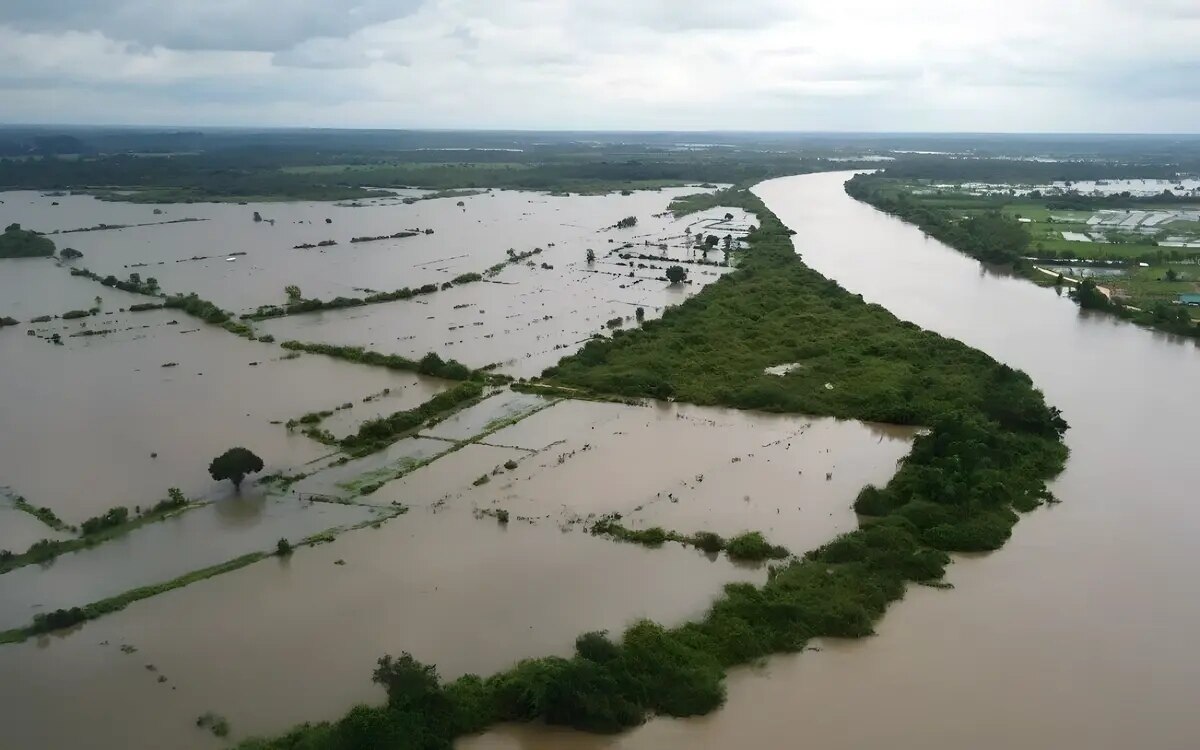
(293, 292)
(728, 217)
(640, 314)
(676, 274)
(69, 253)
(234, 464)
(591, 256)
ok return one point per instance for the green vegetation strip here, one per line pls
(430, 364)
(992, 445)
(377, 434)
(112, 524)
(45, 515)
(750, 546)
(63, 618)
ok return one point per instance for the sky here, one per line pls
(788, 65)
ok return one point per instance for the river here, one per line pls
(1080, 632)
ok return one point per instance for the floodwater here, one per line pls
(191, 256)
(83, 421)
(167, 549)
(283, 641)
(688, 468)
(532, 314)
(1080, 632)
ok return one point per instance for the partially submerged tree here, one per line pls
(293, 292)
(69, 253)
(676, 274)
(591, 256)
(234, 464)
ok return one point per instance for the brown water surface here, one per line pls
(1080, 632)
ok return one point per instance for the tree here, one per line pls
(293, 292)
(257, 216)
(409, 683)
(591, 256)
(676, 274)
(234, 464)
(1172, 275)
(640, 314)
(69, 253)
(728, 217)
(711, 240)
(627, 223)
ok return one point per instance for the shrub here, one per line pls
(752, 546)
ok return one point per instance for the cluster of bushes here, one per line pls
(93, 531)
(513, 258)
(193, 305)
(113, 517)
(45, 515)
(430, 364)
(16, 242)
(376, 434)
(134, 284)
(748, 546)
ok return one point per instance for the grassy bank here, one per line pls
(63, 618)
(992, 445)
(117, 522)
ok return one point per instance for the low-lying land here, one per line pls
(992, 445)
(1142, 253)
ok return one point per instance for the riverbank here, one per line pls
(992, 446)
(993, 231)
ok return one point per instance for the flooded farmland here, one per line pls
(1080, 631)
(465, 542)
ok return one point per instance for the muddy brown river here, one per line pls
(1080, 632)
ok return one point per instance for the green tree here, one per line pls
(676, 274)
(234, 464)
(591, 256)
(293, 292)
(69, 253)
(409, 683)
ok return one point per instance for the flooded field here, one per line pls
(117, 419)
(696, 469)
(170, 548)
(1046, 642)
(128, 404)
(192, 256)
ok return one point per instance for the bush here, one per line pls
(752, 546)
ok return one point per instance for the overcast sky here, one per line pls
(866, 65)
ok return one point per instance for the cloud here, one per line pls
(256, 25)
(579, 64)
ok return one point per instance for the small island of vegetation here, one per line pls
(16, 242)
